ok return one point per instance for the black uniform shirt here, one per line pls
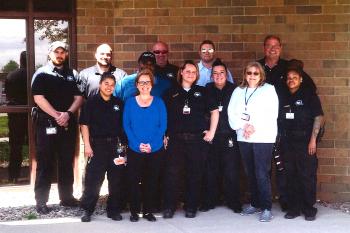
(104, 118)
(169, 72)
(57, 86)
(200, 107)
(305, 105)
(222, 98)
(276, 75)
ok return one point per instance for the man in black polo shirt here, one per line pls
(89, 78)
(163, 68)
(275, 69)
(57, 97)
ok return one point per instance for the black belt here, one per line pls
(189, 136)
(107, 139)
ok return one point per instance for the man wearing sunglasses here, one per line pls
(163, 68)
(207, 57)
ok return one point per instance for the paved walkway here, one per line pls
(219, 220)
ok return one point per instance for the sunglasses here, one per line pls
(160, 52)
(254, 73)
(144, 83)
(207, 50)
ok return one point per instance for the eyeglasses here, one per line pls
(144, 83)
(207, 50)
(254, 73)
(160, 52)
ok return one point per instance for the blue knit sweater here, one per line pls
(145, 124)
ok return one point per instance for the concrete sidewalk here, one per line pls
(219, 220)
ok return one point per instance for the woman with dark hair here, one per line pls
(144, 122)
(101, 129)
(192, 122)
(253, 112)
(223, 164)
(300, 120)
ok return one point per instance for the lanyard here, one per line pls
(245, 97)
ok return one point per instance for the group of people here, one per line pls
(186, 128)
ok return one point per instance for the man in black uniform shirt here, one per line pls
(275, 70)
(16, 94)
(57, 96)
(163, 68)
(101, 128)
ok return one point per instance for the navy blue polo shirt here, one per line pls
(305, 105)
(104, 118)
(58, 86)
(200, 107)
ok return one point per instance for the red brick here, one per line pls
(157, 12)
(121, 21)
(134, 47)
(169, 3)
(145, 38)
(181, 47)
(147, 21)
(322, 36)
(335, 27)
(280, 10)
(231, 11)
(205, 11)
(230, 46)
(134, 30)
(244, 2)
(104, 4)
(181, 12)
(195, 3)
(322, 18)
(230, 29)
(124, 38)
(173, 20)
(244, 19)
(257, 11)
(185, 29)
(206, 29)
(296, 2)
(195, 20)
(219, 3)
(170, 38)
(134, 13)
(158, 29)
(124, 4)
(145, 4)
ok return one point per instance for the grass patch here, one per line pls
(4, 130)
(31, 216)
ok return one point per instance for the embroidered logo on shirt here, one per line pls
(170, 75)
(175, 95)
(197, 94)
(299, 103)
(70, 78)
(116, 108)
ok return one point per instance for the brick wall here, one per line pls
(315, 31)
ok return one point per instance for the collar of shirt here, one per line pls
(98, 71)
(204, 74)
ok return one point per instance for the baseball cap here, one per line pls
(58, 44)
(147, 56)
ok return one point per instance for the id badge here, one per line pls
(245, 117)
(290, 115)
(51, 130)
(220, 108)
(186, 110)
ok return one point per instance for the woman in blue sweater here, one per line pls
(144, 122)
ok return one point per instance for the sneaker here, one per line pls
(266, 216)
(250, 210)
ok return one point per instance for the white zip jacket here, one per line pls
(262, 108)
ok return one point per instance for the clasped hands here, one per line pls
(248, 130)
(145, 148)
(62, 119)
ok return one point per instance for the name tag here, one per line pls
(289, 115)
(220, 108)
(186, 110)
(51, 130)
(245, 117)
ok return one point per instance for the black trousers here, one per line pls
(189, 155)
(60, 146)
(222, 170)
(18, 133)
(105, 151)
(301, 169)
(143, 177)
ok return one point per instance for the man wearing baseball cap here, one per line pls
(57, 99)
(126, 87)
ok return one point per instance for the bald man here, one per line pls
(89, 78)
(163, 68)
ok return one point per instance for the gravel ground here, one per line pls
(57, 211)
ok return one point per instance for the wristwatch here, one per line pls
(70, 114)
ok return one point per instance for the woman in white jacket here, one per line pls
(253, 112)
